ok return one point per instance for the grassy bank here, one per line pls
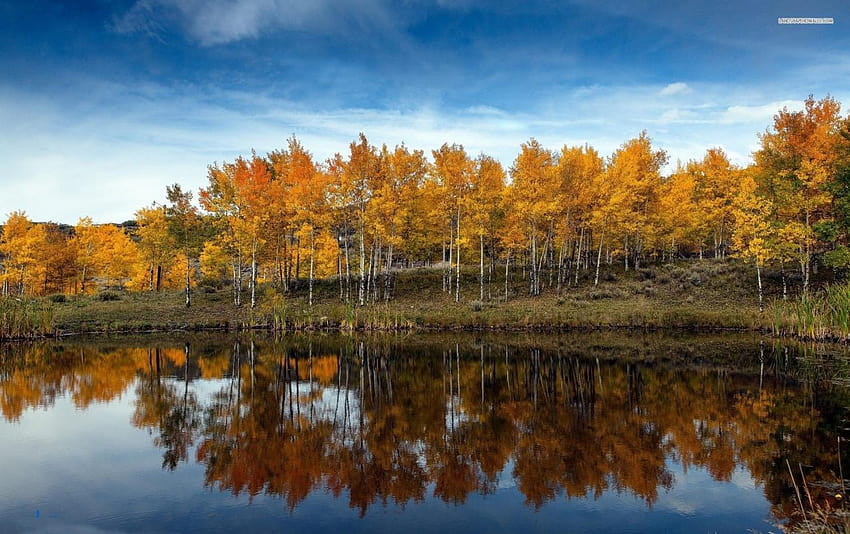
(694, 294)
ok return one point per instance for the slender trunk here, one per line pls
(808, 257)
(481, 268)
(533, 280)
(339, 273)
(188, 292)
(457, 278)
(233, 285)
(312, 254)
(239, 278)
(599, 259)
(297, 261)
(347, 268)
(578, 253)
(507, 272)
(451, 258)
(278, 264)
(626, 252)
(374, 270)
(761, 292)
(560, 266)
(443, 259)
(254, 273)
(784, 281)
(490, 272)
(387, 272)
(362, 282)
(287, 270)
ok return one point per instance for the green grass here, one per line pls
(25, 318)
(705, 294)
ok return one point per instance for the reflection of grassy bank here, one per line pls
(695, 294)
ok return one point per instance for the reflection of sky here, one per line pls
(91, 471)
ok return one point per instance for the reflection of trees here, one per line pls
(388, 426)
(163, 409)
(376, 422)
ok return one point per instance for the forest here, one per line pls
(286, 220)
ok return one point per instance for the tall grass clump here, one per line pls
(838, 298)
(822, 316)
(23, 319)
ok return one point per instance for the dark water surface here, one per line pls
(418, 433)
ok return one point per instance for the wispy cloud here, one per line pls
(212, 22)
(761, 113)
(117, 154)
(677, 88)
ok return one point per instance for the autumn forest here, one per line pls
(286, 220)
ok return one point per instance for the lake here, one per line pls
(591, 432)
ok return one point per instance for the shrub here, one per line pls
(105, 296)
(57, 298)
(646, 274)
(206, 283)
(476, 305)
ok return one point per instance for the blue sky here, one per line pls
(102, 104)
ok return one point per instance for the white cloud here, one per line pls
(762, 114)
(677, 88)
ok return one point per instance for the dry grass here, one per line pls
(705, 294)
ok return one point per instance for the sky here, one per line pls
(105, 103)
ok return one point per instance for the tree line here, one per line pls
(288, 219)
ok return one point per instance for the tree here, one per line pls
(309, 197)
(533, 197)
(184, 225)
(715, 186)
(579, 173)
(355, 191)
(796, 163)
(453, 172)
(12, 249)
(634, 176)
(156, 244)
(484, 206)
(753, 237)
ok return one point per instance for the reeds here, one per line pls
(829, 516)
(24, 318)
(821, 316)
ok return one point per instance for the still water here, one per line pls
(418, 433)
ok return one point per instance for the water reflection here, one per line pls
(403, 419)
